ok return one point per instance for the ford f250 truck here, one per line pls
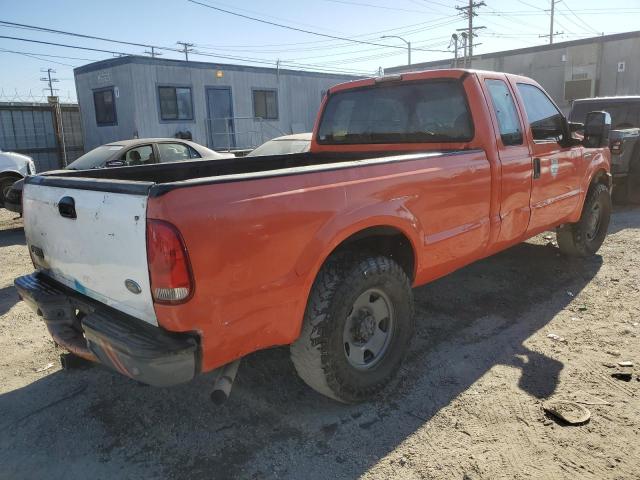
(166, 271)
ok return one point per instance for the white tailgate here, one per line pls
(99, 250)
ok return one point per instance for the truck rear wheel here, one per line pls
(584, 238)
(5, 187)
(357, 327)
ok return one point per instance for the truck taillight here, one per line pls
(169, 268)
(616, 147)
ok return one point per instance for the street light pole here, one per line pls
(405, 41)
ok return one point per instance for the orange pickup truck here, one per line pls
(167, 271)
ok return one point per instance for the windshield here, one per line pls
(431, 111)
(281, 147)
(623, 115)
(95, 158)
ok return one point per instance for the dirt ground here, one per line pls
(466, 405)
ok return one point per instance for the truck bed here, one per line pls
(160, 178)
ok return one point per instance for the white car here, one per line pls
(13, 167)
(296, 143)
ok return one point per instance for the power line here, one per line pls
(90, 37)
(370, 5)
(64, 45)
(310, 32)
(38, 56)
(589, 27)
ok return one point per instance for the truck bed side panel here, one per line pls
(256, 246)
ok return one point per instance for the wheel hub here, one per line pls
(368, 329)
(364, 327)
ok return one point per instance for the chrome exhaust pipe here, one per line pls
(224, 382)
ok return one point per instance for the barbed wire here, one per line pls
(18, 97)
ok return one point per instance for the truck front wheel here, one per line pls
(584, 238)
(357, 327)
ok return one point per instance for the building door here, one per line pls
(220, 125)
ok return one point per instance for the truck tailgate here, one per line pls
(100, 253)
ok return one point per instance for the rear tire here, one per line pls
(585, 237)
(5, 185)
(347, 350)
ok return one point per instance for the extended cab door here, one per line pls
(556, 185)
(515, 158)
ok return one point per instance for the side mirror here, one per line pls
(114, 163)
(596, 129)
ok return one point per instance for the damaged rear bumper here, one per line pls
(97, 332)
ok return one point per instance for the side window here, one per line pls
(265, 104)
(104, 102)
(545, 120)
(142, 155)
(173, 152)
(175, 103)
(506, 113)
(193, 153)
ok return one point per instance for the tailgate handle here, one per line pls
(67, 207)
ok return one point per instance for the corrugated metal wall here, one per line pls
(29, 129)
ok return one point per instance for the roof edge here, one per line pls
(518, 51)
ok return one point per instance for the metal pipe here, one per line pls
(224, 382)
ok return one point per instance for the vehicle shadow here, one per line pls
(8, 298)
(275, 426)
(12, 236)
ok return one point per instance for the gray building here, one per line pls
(599, 66)
(218, 105)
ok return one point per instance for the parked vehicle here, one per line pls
(140, 151)
(624, 141)
(297, 143)
(166, 271)
(13, 167)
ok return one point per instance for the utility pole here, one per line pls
(50, 81)
(186, 49)
(152, 52)
(551, 32)
(469, 12)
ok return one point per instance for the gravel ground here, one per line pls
(466, 405)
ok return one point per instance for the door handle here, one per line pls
(67, 207)
(536, 168)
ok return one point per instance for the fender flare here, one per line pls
(393, 214)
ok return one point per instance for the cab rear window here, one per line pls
(410, 112)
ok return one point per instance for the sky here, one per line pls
(309, 43)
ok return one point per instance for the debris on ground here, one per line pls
(614, 353)
(557, 338)
(625, 363)
(571, 413)
(624, 376)
(45, 368)
(570, 293)
(608, 364)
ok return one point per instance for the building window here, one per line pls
(265, 104)
(175, 103)
(105, 104)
